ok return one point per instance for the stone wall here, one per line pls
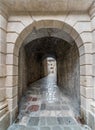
(16, 26)
(69, 75)
(22, 70)
(30, 69)
(34, 68)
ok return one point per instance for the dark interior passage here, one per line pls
(66, 55)
(69, 75)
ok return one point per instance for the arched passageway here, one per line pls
(20, 25)
(67, 58)
(49, 97)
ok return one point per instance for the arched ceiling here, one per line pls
(47, 46)
(48, 32)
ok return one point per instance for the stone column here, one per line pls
(91, 114)
(4, 113)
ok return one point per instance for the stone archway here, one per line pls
(12, 60)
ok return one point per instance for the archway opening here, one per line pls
(34, 64)
(50, 67)
(38, 90)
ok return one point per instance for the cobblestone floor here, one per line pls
(44, 108)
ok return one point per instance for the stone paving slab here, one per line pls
(65, 107)
(45, 128)
(56, 128)
(33, 121)
(76, 128)
(43, 107)
(67, 128)
(52, 120)
(42, 121)
(69, 121)
(52, 107)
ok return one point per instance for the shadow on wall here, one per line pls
(69, 76)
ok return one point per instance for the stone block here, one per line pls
(16, 51)
(2, 58)
(71, 19)
(83, 27)
(57, 24)
(82, 17)
(49, 17)
(86, 92)
(86, 37)
(74, 34)
(25, 19)
(93, 59)
(93, 69)
(11, 81)
(2, 71)
(92, 106)
(12, 103)
(3, 111)
(79, 41)
(2, 82)
(84, 114)
(93, 40)
(11, 91)
(5, 121)
(11, 59)
(2, 47)
(2, 94)
(3, 22)
(13, 114)
(11, 37)
(86, 59)
(91, 120)
(12, 70)
(85, 103)
(86, 70)
(86, 81)
(93, 23)
(85, 48)
(10, 48)
(67, 28)
(2, 36)
(15, 27)
(33, 121)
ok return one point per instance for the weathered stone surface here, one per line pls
(52, 121)
(56, 128)
(56, 24)
(33, 108)
(41, 6)
(44, 128)
(33, 121)
(42, 121)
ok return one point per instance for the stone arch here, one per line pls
(18, 41)
(48, 55)
(48, 24)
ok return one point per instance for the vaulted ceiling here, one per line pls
(51, 46)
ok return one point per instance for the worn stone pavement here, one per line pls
(43, 107)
